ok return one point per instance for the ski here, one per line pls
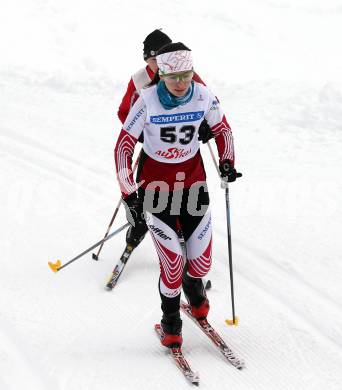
(180, 360)
(205, 326)
(119, 267)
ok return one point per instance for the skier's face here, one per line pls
(178, 83)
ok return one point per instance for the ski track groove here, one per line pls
(319, 324)
(309, 324)
(270, 262)
(204, 350)
(249, 353)
(252, 350)
(316, 328)
(282, 274)
(32, 143)
(33, 160)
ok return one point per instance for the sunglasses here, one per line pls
(176, 78)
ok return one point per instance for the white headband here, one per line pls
(175, 61)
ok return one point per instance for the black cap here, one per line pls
(170, 47)
(153, 42)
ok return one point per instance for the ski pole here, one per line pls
(214, 159)
(224, 184)
(235, 320)
(57, 266)
(96, 256)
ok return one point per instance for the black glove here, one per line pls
(204, 132)
(228, 171)
(134, 209)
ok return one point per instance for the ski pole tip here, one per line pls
(55, 266)
(234, 321)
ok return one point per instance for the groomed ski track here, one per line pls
(66, 332)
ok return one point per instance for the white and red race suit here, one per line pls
(170, 152)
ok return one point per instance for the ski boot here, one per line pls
(195, 294)
(171, 327)
(135, 234)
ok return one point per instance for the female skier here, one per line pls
(152, 43)
(172, 181)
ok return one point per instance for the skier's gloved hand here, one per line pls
(134, 209)
(228, 172)
(204, 132)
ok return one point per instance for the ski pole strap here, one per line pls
(224, 180)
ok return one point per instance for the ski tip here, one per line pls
(55, 266)
(112, 280)
(234, 321)
(94, 256)
(195, 379)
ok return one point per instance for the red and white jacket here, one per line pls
(171, 143)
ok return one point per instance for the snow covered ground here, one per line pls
(276, 66)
